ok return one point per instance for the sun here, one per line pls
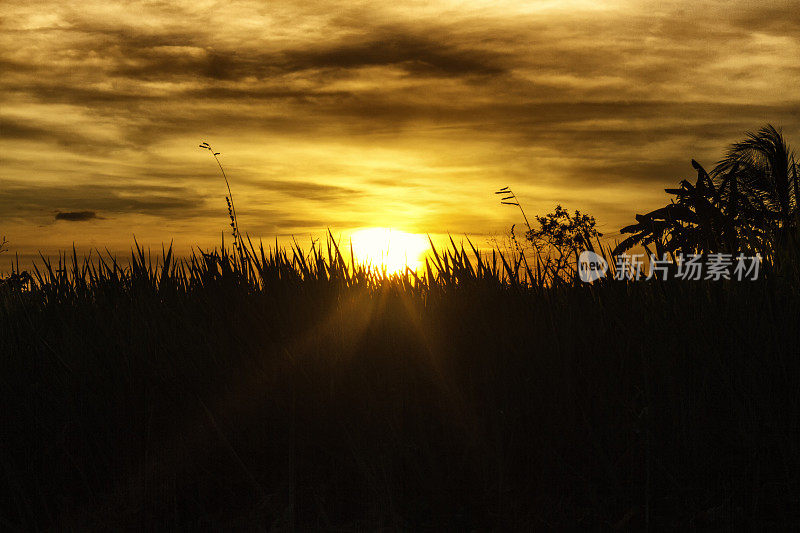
(389, 249)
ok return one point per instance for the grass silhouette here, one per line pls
(271, 389)
(237, 236)
(276, 389)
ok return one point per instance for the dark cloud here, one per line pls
(65, 92)
(588, 173)
(305, 190)
(263, 93)
(10, 129)
(24, 200)
(782, 19)
(348, 110)
(76, 216)
(71, 138)
(20, 200)
(287, 226)
(415, 55)
(147, 55)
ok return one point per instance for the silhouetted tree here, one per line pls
(559, 240)
(762, 174)
(749, 198)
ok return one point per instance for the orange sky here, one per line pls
(354, 114)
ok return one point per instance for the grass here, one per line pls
(273, 389)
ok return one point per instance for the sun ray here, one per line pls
(389, 249)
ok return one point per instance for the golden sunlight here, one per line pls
(389, 249)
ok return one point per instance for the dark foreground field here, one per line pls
(204, 397)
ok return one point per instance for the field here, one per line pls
(287, 391)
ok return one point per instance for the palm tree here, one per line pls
(749, 202)
(763, 174)
(696, 220)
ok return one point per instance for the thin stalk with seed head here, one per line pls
(231, 206)
(511, 199)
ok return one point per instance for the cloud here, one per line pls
(339, 112)
(413, 54)
(21, 200)
(69, 137)
(306, 190)
(76, 216)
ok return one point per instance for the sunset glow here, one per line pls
(347, 115)
(389, 249)
(474, 265)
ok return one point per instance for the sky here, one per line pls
(352, 114)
